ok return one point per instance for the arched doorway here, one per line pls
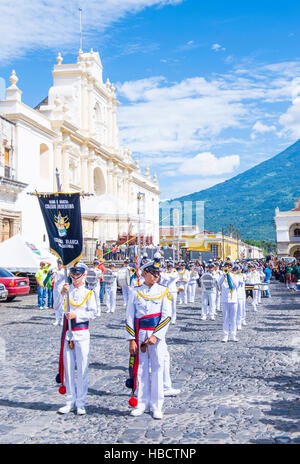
(294, 232)
(295, 252)
(99, 182)
(297, 255)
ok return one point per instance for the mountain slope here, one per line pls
(248, 201)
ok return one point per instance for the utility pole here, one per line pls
(140, 212)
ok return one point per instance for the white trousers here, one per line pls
(182, 296)
(191, 291)
(208, 304)
(78, 357)
(110, 298)
(125, 293)
(258, 296)
(97, 296)
(58, 309)
(229, 318)
(167, 377)
(151, 389)
(218, 301)
(241, 311)
(174, 301)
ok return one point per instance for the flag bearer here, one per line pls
(83, 308)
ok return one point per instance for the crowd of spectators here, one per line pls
(286, 272)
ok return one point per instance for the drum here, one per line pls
(298, 286)
(123, 277)
(262, 287)
(109, 277)
(208, 281)
(91, 279)
(249, 292)
(180, 286)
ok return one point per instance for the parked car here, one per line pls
(15, 286)
(3, 292)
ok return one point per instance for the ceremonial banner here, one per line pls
(62, 216)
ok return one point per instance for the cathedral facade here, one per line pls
(74, 132)
(287, 224)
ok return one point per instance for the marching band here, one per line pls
(151, 290)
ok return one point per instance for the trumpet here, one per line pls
(225, 270)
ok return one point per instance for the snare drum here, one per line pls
(249, 292)
(262, 287)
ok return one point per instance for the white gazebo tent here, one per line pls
(19, 255)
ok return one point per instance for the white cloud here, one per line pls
(179, 117)
(217, 47)
(162, 118)
(208, 165)
(41, 24)
(260, 128)
(291, 119)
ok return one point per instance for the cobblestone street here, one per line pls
(246, 392)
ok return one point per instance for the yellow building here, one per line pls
(206, 245)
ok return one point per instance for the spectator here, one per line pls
(40, 276)
(102, 283)
(288, 275)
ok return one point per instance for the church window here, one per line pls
(297, 233)
(44, 161)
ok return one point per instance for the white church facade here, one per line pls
(287, 224)
(74, 130)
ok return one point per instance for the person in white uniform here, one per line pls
(241, 294)
(183, 279)
(252, 278)
(148, 316)
(123, 277)
(170, 279)
(83, 308)
(192, 283)
(59, 280)
(261, 275)
(96, 289)
(229, 301)
(209, 285)
(110, 279)
(218, 273)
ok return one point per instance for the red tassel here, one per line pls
(133, 402)
(62, 390)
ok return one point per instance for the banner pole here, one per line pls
(70, 342)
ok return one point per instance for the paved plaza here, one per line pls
(245, 392)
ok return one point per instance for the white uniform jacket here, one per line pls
(59, 281)
(184, 276)
(241, 292)
(144, 301)
(83, 304)
(228, 296)
(252, 278)
(170, 279)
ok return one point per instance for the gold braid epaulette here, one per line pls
(87, 297)
(166, 293)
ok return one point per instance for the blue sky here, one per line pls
(207, 89)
